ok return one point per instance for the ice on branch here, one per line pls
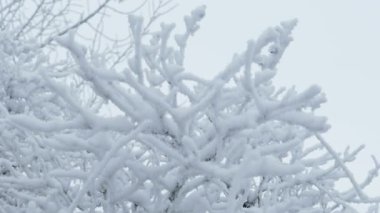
(153, 137)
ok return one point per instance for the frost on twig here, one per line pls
(176, 142)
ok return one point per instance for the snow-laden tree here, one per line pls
(152, 137)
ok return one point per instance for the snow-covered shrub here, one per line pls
(175, 142)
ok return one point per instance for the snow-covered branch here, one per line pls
(152, 137)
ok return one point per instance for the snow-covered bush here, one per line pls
(155, 138)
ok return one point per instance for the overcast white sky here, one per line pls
(336, 45)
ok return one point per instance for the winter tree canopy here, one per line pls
(128, 129)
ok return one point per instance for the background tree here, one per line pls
(147, 136)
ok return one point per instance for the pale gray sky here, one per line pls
(336, 45)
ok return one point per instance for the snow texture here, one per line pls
(175, 142)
